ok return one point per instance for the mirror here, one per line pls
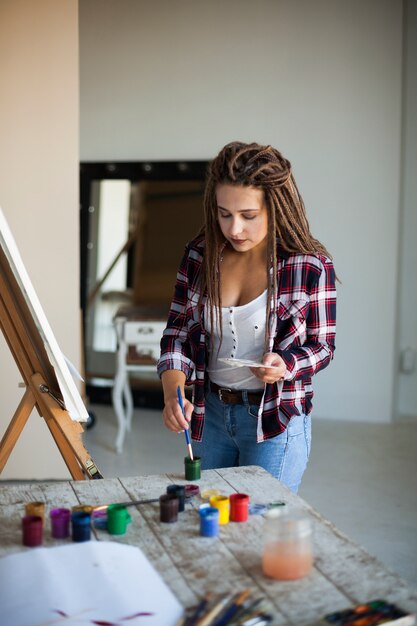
(135, 221)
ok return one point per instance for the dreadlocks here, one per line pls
(263, 167)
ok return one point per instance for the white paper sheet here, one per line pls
(78, 583)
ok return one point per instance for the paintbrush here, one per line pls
(231, 610)
(210, 616)
(261, 620)
(247, 610)
(198, 613)
(101, 507)
(187, 436)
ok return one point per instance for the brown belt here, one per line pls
(235, 396)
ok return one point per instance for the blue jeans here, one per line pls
(229, 440)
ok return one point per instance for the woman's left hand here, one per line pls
(272, 374)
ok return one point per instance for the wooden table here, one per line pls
(343, 574)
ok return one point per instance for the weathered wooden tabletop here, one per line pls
(344, 573)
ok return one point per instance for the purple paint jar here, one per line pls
(60, 523)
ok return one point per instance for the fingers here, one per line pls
(271, 379)
(272, 359)
(268, 375)
(272, 374)
(173, 418)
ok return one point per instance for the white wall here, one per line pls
(319, 80)
(39, 192)
(177, 79)
(407, 294)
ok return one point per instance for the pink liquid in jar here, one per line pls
(286, 561)
(288, 548)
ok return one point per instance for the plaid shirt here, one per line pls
(301, 326)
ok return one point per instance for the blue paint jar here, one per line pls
(81, 526)
(209, 521)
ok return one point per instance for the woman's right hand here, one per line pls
(173, 417)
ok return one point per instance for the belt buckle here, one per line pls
(220, 392)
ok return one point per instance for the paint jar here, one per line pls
(32, 526)
(117, 519)
(208, 493)
(179, 491)
(83, 508)
(191, 491)
(81, 526)
(192, 468)
(209, 521)
(99, 518)
(60, 521)
(36, 509)
(239, 507)
(168, 508)
(223, 504)
(288, 550)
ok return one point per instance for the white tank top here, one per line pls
(243, 338)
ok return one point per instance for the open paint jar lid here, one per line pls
(191, 491)
(209, 493)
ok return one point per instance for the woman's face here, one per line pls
(242, 215)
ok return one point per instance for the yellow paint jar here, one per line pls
(35, 508)
(223, 504)
(82, 508)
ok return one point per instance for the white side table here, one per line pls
(138, 345)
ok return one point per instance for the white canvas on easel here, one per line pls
(72, 398)
(48, 381)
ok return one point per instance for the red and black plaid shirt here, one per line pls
(302, 327)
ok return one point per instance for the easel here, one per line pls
(42, 389)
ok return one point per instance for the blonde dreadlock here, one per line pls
(264, 167)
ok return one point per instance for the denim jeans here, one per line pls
(229, 440)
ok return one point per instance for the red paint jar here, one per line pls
(239, 507)
(32, 526)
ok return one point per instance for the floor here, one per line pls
(361, 476)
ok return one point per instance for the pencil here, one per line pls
(187, 436)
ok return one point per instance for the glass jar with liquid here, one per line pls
(288, 546)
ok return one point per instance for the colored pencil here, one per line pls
(187, 436)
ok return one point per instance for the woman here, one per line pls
(253, 285)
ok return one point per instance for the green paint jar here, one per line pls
(192, 468)
(117, 519)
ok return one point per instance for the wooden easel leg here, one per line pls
(66, 450)
(67, 434)
(16, 426)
